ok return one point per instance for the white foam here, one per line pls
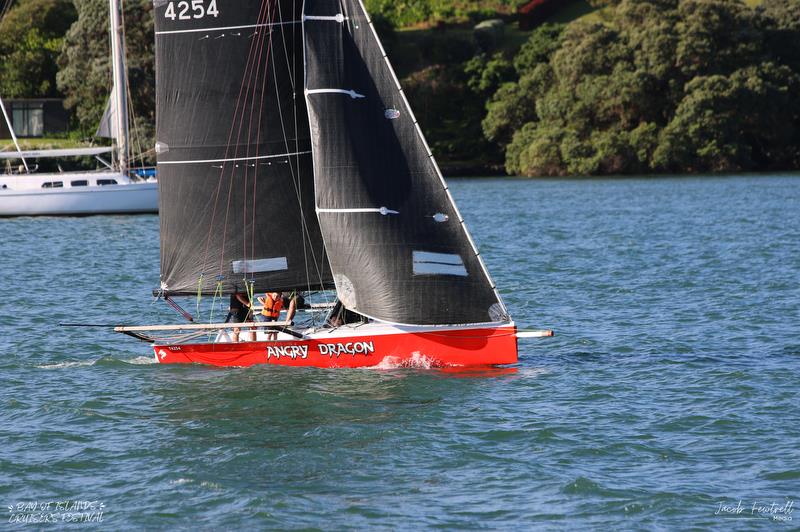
(71, 364)
(140, 360)
(533, 372)
(417, 360)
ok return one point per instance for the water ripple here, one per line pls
(669, 389)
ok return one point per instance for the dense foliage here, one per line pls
(648, 86)
(409, 12)
(658, 86)
(85, 66)
(31, 36)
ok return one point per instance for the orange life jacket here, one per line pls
(272, 307)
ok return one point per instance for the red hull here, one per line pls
(429, 348)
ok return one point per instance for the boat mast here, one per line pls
(120, 84)
(13, 136)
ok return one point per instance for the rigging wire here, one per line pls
(261, 51)
(3, 10)
(248, 133)
(259, 62)
(137, 136)
(204, 264)
(296, 177)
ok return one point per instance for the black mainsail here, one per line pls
(397, 245)
(234, 152)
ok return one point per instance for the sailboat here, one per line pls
(116, 189)
(290, 160)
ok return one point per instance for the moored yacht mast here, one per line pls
(120, 84)
(13, 135)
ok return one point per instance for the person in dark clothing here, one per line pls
(238, 311)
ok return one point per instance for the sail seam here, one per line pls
(234, 159)
(223, 28)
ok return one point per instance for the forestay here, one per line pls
(234, 164)
(396, 243)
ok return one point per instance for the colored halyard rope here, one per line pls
(199, 294)
(306, 235)
(238, 137)
(217, 292)
(254, 81)
(263, 9)
(251, 295)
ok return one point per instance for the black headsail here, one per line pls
(397, 245)
(234, 152)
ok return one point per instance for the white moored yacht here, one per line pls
(75, 193)
(116, 189)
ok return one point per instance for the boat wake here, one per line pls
(135, 361)
(69, 364)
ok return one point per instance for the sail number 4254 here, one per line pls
(184, 10)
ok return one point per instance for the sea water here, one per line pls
(667, 399)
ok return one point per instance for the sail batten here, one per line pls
(367, 151)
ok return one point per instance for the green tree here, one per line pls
(660, 85)
(514, 102)
(487, 73)
(85, 75)
(544, 40)
(31, 35)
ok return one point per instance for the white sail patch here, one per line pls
(345, 290)
(429, 263)
(274, 264)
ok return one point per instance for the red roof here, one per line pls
(531, 6)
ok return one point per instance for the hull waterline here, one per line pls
(424, 347)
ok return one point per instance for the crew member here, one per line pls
(273, 303)
(238, 311)
(291, 302)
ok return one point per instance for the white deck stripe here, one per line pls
(224, 28)
(237, 158)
